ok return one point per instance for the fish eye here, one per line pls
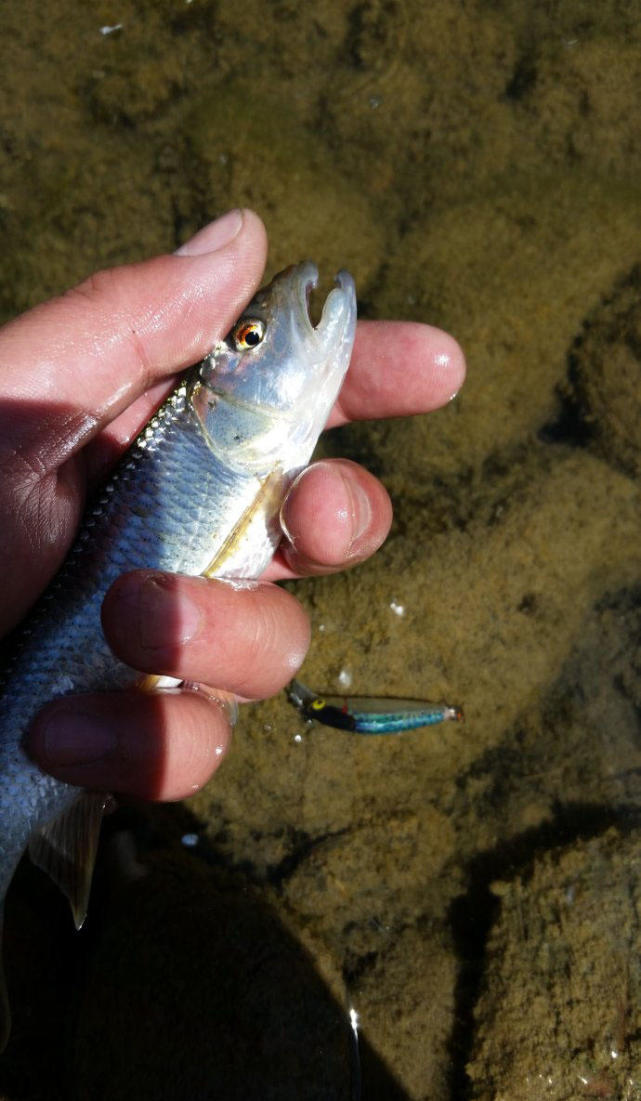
(247, 333)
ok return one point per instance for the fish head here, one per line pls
(271, 383)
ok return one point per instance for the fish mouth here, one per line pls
(339, 308)
(305, 279)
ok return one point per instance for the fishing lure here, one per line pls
(369, 715)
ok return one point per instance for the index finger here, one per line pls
(78, 361)
(398, 368)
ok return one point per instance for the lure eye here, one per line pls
(247, 334)
(318, 704)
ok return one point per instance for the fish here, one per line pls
(369, 714)
(199, 492)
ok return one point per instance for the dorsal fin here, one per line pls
(66, 849)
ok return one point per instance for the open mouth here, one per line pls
(307, 280)
(339, 308)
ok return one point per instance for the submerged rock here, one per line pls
(606, 373)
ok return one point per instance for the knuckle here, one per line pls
(108, 293)
(96, 288)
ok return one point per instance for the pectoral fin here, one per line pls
(66, 849)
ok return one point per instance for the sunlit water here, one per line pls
(470, 891)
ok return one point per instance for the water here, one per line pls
(471, 891)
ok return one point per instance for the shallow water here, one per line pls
(471, 890)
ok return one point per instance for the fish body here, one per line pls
(369, 714)
(198, 492)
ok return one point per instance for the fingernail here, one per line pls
(226, 701)
(282, 517)
(74, 738)
(214, 236)
(360, 508)
(163, 615)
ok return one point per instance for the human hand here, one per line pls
(78, 377)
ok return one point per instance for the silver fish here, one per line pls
(199, 492)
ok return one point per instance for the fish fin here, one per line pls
(5, 1011)
(66, 849)
(153, 681)
(271, 490)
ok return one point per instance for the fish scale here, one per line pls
(160, 493)
(198, 492)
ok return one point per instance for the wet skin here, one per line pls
(78, 377)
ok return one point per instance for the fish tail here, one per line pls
(66, 849)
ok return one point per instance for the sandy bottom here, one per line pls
(471, 890)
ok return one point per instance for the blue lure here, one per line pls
(369, 715)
